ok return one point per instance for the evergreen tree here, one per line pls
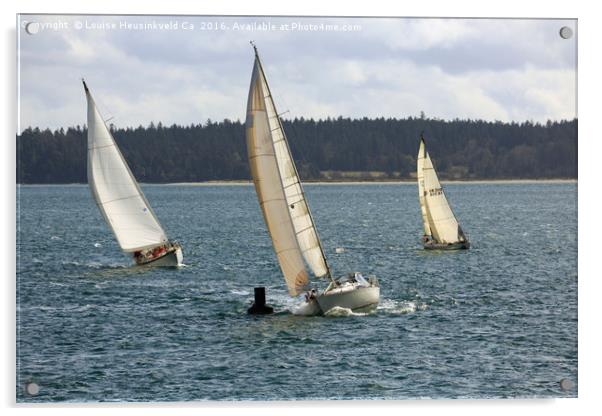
(461, 149)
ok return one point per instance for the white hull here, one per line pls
(171, 259)
(357, 298)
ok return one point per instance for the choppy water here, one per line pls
(499, 320)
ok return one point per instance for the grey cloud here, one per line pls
(391, 67)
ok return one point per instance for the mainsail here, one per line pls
(439, 220)
(279, 189)
(115, 190)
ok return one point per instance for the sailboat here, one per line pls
(286, 212)
(441, 228)
(120, 199)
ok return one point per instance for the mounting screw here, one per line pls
(32, 388)
(566, 384)
(566, 32)
(32, 28)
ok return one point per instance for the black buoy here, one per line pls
(259, 307)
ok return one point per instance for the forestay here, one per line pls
(115, 190)
(279, 190)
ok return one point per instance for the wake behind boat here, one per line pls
(441, 228)
(120, 199)
(286, 212)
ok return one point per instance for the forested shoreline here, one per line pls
(330, 149)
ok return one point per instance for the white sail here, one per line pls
(115, 190)
(279, 190)
(441, 220)
(421, 188)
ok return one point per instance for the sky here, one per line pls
(188, 69)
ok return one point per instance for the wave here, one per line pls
(96, 265)
(62, 308)
(401, 307)
(240, 292)
(304, 309)
(338, 311)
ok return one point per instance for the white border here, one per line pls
(589, 149)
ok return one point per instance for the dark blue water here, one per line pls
(498, 320)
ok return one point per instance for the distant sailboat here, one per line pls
(286, 212)
(441, 228)
(121, 200)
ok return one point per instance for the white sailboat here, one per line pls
(120, 199)
(441, 228)
(286, 211)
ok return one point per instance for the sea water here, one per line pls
(496, 321)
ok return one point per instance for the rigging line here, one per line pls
(105, 110)
(298, 147)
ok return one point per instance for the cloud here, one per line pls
(496, 69)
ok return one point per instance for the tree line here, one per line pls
(323, 149)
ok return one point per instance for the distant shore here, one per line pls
(384, 182)
(337, 182)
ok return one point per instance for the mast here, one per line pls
(329, 273)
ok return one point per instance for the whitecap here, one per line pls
(339, 311)
(401, 307)
(240, 292)
(306, 309)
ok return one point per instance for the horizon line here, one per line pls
(317, 120)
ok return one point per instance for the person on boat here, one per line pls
(139, 256)
(361, 279)
(311, 295)
(157, 251)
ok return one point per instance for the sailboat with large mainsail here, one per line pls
(286, 212)
(120, 199)
(441, 228)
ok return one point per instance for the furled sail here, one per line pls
(438, 216)
(279, 190)
(115, 190)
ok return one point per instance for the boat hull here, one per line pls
(463, 245)
(358, 299)
(172, 258)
